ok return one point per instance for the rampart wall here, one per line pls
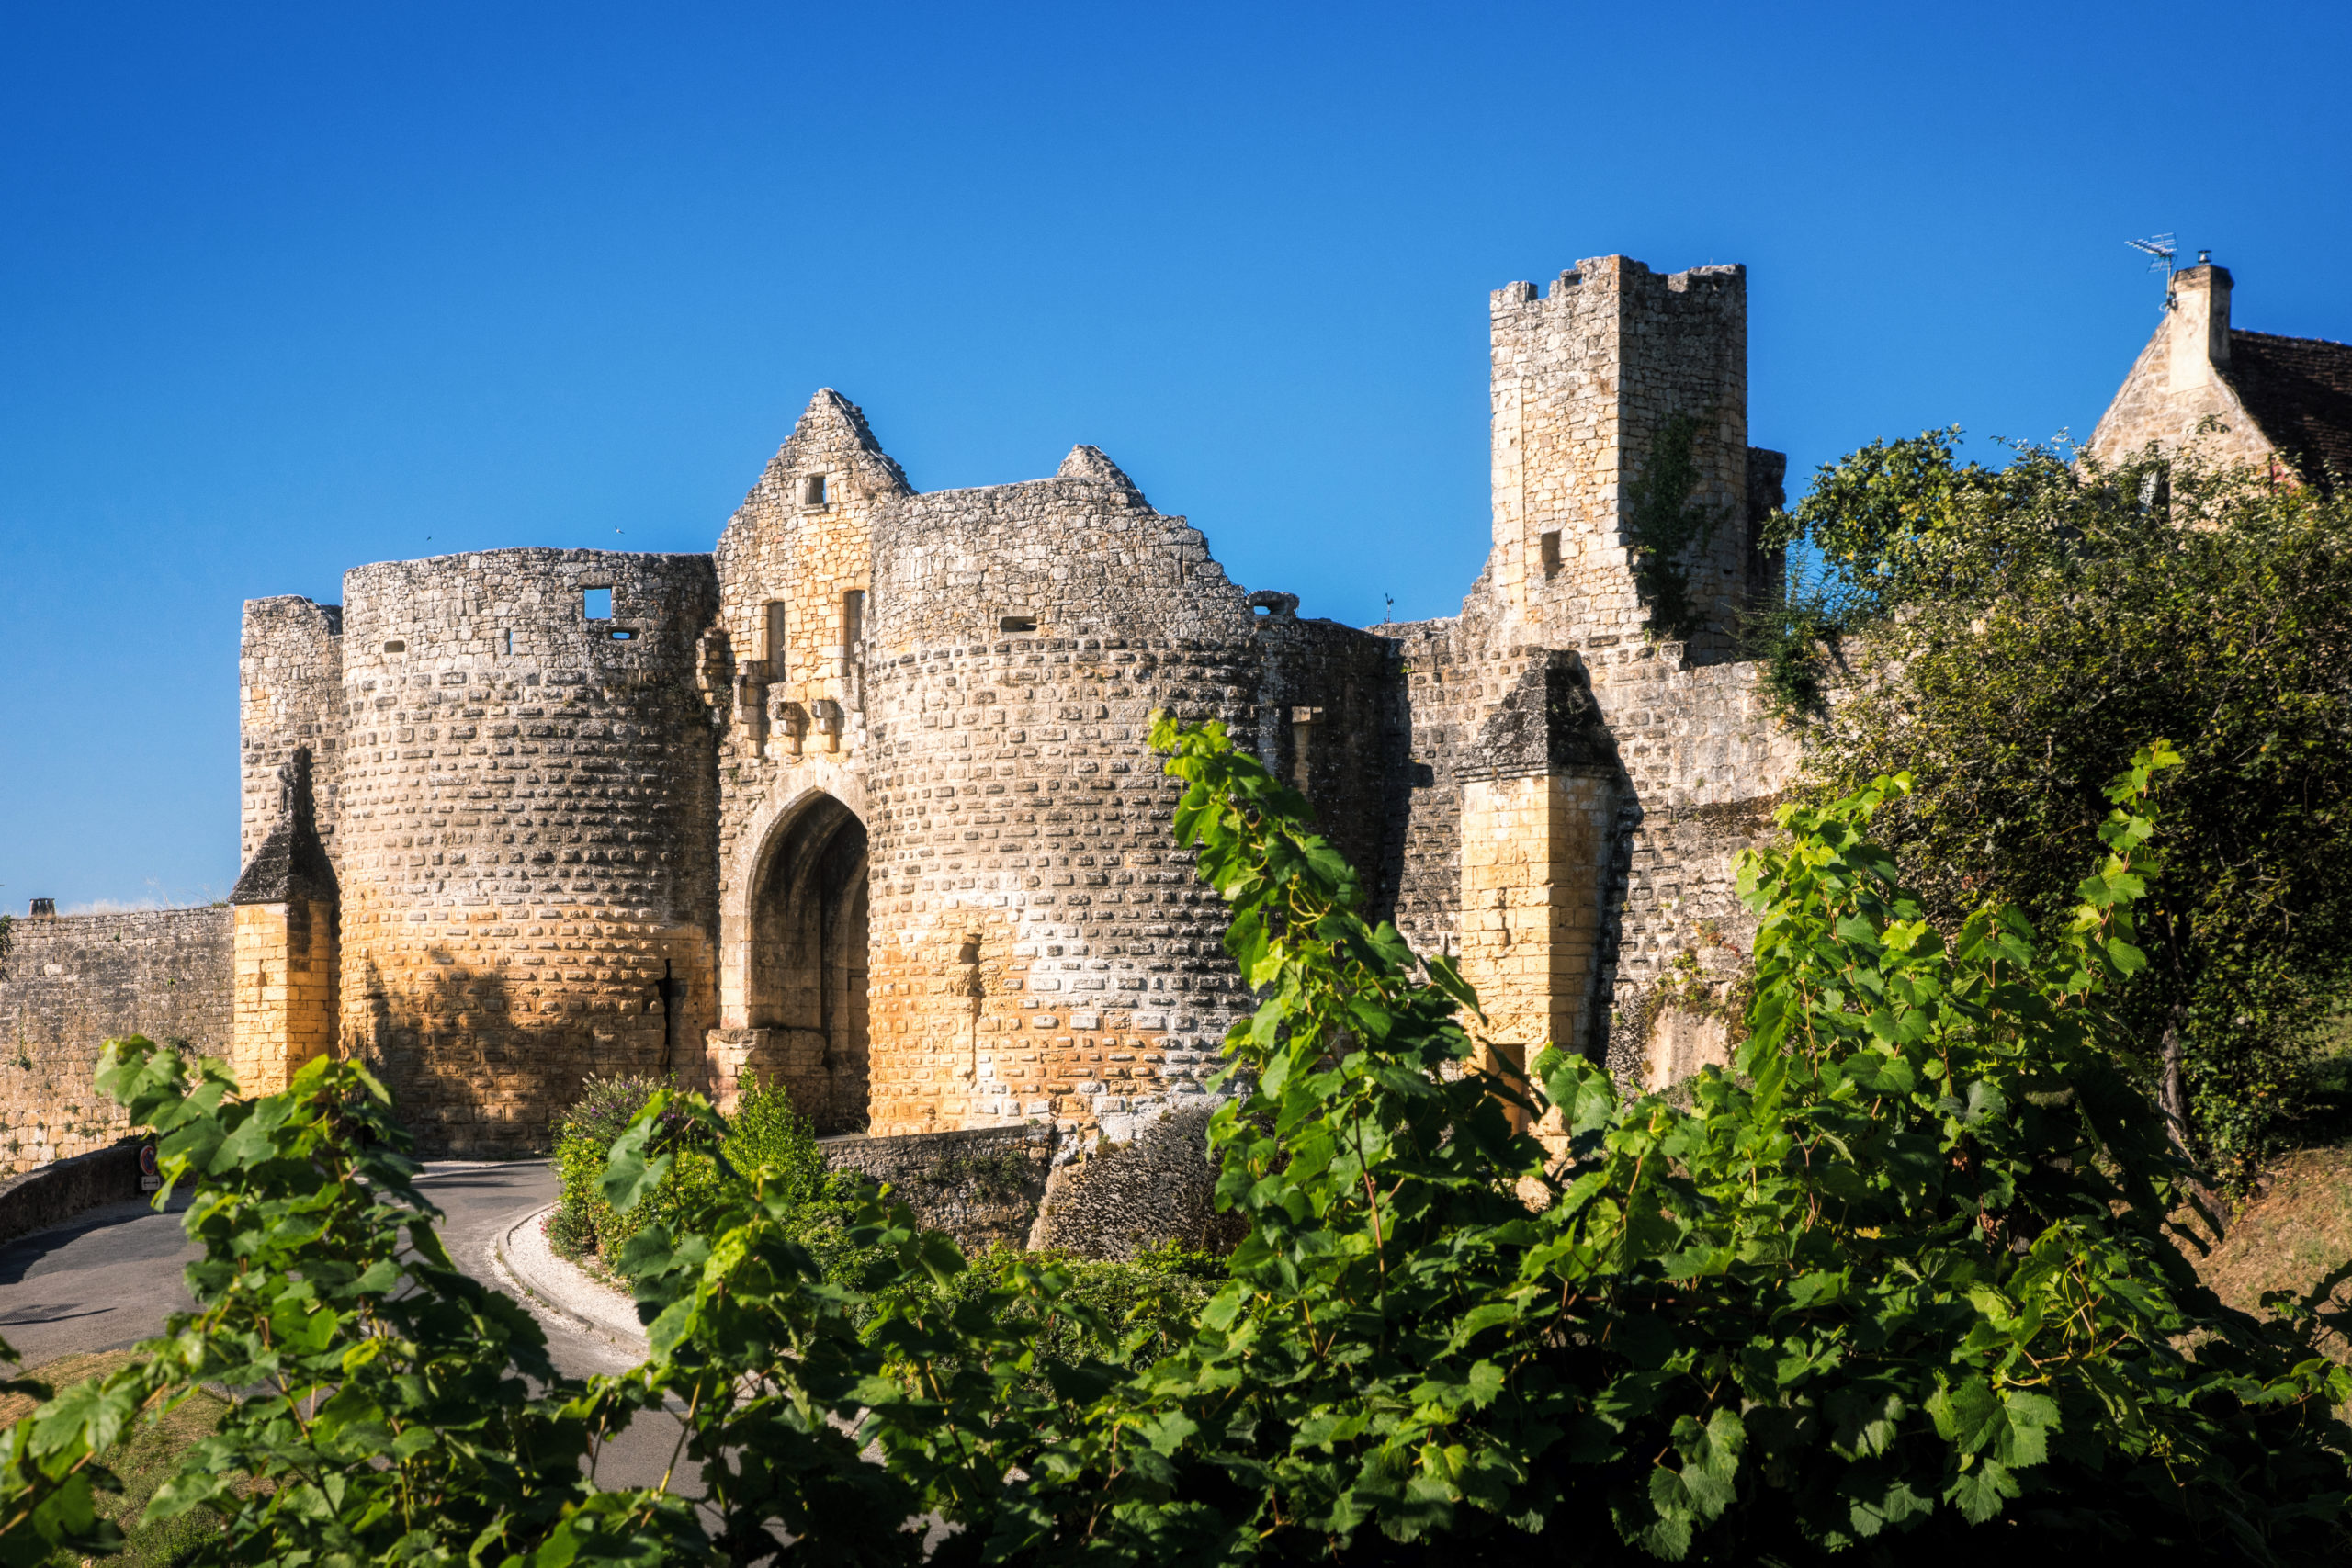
(70, 983)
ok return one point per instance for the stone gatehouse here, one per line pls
(862, 802)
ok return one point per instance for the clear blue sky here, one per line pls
(286, 289)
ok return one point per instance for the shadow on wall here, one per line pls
(468, 1076)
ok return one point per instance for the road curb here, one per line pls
(562, 1290)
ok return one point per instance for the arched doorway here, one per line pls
(807, 975)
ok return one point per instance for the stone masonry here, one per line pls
(68, 984)
(2231, 395)
(863, 803)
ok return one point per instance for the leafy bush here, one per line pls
(1160, 1291)
(1903, 1272)
(764, 1131)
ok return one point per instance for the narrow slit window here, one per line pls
(773, 645)
(622, 633)
(1552, 553)
(506, 643)
(597, 604)
(812, 490)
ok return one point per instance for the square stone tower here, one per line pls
(1614, 370)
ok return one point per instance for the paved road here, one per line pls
(111, 1277)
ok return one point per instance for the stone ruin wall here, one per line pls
(1571, 885)
(70, 983)
(1584, 380)
(528, 811)
(289, 696)
(1705, 762)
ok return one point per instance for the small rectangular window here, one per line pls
(506, 642)
(812, 490)
(396, 645)
(1017, 624)
(1552, 553)
(622, 633)
(597, 604)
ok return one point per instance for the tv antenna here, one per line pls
(2160, 248)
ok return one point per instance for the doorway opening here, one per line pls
(808, 968)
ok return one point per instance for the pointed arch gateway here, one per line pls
(805, 981)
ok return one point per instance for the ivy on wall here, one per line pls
(1665, 530)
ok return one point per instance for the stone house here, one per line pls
(2204, 384)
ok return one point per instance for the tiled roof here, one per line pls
(2299, 391)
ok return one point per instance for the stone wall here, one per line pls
(56, 1192)
(527, 833)
(981, 1186)
(1120, 1199)
(1585, 380)
(1042, 948)
(783, 673)
(1580, 791)
(71, 983)
(864, 803)
(290, 697)
(1704, 763)
(1026, 1185)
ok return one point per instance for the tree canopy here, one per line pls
(2009, 634)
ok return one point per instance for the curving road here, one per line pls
(109, 1277)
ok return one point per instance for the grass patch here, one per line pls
(144, 1459)
(2296, 1235)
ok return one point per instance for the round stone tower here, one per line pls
(1042, 949)
(526, 832)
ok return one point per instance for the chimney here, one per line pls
(2200, 347)
(43, 909)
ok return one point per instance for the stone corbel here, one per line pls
(792, 723)
(829, 723)
(714, 661)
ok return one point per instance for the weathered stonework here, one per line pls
(526, 806)
(71, 983)
(864, 804)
